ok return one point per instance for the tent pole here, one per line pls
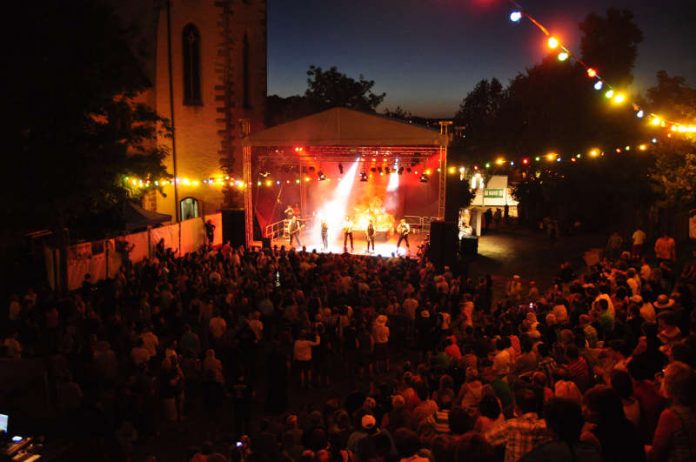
(248, 199)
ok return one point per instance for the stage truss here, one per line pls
(304, 156)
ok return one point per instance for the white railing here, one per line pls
(279, 229)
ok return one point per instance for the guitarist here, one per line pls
(347, 234)
(325, 234)
(370, 234)
(294, 227)
(403, 229)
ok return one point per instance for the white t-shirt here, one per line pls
(638, 237)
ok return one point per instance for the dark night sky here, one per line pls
(427, 54)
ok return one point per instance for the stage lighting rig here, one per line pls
(265, 174)
(363, 176)
(321, 176)
(424, 178)
(416, 159)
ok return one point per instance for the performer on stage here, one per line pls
(403, 229)
(347, 234)
(325, 234)
(294, 227)
(289, 212)
(370, 235)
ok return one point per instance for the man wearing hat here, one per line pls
(664, 302)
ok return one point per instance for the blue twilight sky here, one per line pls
(428, 54)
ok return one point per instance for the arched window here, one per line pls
(245, 72)
(189, 208)
(191, 46)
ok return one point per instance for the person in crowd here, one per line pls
(638, 239)
(610, 431)
(521, 434)
(665, 248)
(302, 354)
(201, 332)
(675, 435)
(564, 423)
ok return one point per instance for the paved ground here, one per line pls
(529, 254)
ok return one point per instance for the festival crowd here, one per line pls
(597, 367)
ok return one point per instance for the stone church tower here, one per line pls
(208, 69)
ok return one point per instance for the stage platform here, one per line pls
(382, 248)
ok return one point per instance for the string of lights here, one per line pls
(266, 179)
(615, 95)
(548, 158)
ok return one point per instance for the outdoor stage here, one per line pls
(344, 163)
(383, 248)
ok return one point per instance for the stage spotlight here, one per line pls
(373, 169)
(408, 169)
(387, 170)
(321, 176)
(424, 178)
(401, 170)
(363, 176)
(311, 169)
(340, 169)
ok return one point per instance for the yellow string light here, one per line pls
(553, 43)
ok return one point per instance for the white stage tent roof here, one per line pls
(346, 127)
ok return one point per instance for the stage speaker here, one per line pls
(233, 227)
(468, 246)
(443, 243)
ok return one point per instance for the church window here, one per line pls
(192, 65)
(245, 71)
(189, 208)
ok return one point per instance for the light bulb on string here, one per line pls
(591, 73)
(516, 16)
(609, 94)
(598, 85)
(552, 43)
(619, 98)
(640, 114)
(563, 56)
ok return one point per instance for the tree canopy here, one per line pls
(75, 129)
(553, 107)
(325, 89)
